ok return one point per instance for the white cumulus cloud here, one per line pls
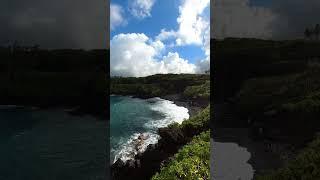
(136, 55)
(193, 29)
(116, 16)
(141, 8)
(164, 34)
(192, 23)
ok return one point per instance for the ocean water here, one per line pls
(131, 117)
(51, 144)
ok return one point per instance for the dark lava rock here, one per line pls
(119, 163)
(116, 169)
(170, 136)
(131, 164)
(146, 164)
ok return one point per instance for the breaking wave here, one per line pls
(127, 147)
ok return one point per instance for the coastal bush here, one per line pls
(305, 166)
(296, 92)
(239, 59)
(155, 85)
(191, 162)
(174, 125)
(310, 104)
(198, 91)
(274, 76)
(197, 123)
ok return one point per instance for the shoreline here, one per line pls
(269, 150)
(175, 99)
(262, 160)
(145, 164)
(266, 154)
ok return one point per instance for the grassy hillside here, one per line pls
(198, 91)
(158, 84)
(190, 86)
(191, 162)
(276, 91)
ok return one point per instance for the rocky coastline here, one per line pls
(146, 164)
(269, 150)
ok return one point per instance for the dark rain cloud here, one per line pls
(54, 23)
(293, 16)
(275, 19)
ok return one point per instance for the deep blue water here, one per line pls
(51, 145)
(131, 117)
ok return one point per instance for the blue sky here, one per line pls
(185, 46)
(163, 15)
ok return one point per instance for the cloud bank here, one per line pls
(54, 24)
(136, 55)
(236, 18)
(274, 19)
(293, 17)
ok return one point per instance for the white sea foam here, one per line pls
(171, 113)
(128, 150)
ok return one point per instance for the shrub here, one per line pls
(191, 162)
(305, 166)
(198, 123)
(198, 91)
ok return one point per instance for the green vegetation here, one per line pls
(274, 82)
(277, 85)
(237, 60)
(198, 91)
(191, 162)
(310, 104)
(197, 123)
(263, 93)
(157, 85)
(305, 166)
(294, 98)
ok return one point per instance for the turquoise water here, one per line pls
(51, 145)
(131, 117)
